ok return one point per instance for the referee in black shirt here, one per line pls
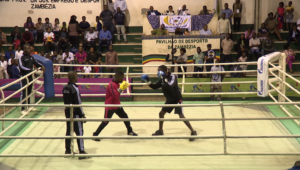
(71, 95)
(26, 63)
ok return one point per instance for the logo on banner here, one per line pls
(197, 89)
(234, 88)
(261, 70)
(175, 21)
(261, 88)
(290, 89)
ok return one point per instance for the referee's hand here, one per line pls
(84, 118)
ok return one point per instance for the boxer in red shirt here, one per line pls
(113, 91)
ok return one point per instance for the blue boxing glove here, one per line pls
(146, 79)
(161, 74)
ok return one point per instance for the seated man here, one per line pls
(160, 31)
(294, 35)
(267, 46)
(263, 32)
(205, 31)
(170, 11)
(183, 11)
(68, 58)
(47, 24)
(254, 45)
(153, 12)
(49, 40)
(205, 11)
(90, 39)
(27, 38)
(272, 24)
(105, 38)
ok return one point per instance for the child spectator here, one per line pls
(98, 69)
(9, 65)
(290, 56)
(42, 53)
(54, 56)
(15, 72)
(56, 69)
(87, 69)
(280, 18)
(60, 60)
(19, 52)
(49, 39)
(48, 56)
(243, 58)
(8, 53)
(3, 64)
(289, 10)
(12, 57)
(64, 25)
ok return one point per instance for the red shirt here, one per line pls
(280, 11)
(112, 95)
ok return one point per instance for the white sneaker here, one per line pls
(34, 109)
(23, 112)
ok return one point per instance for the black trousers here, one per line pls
(198, 69)
(237, 24)
(180, 71)
(49, 47)
(62, 45)
(78, 129)
(40, 36)
(74, 41)
(227, 58)
(108, 114)
(23, 92)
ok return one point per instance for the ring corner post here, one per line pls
(282, 65)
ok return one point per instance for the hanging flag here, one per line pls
(217, 7)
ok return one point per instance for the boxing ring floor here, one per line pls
(249, 127)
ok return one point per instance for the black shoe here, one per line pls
(158, 133)
(97, 140)
(132, 134)
(193, 134)
(69, 152)
(83, 152)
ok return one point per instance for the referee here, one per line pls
(26, 62)
(71, 95)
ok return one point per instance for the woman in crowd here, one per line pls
(73, 30)
(249, 33)
(56, 28)
(290, 56)
(242, 43)
(30, 25)
(15, 37)
(40, 30)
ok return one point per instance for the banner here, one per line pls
(84, 89)
(156, 48)
(176, 21)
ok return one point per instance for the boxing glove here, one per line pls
(161, 74)
(123, 86)
(145, 78)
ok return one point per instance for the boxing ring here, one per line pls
(218, 127)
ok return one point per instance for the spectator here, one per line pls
(99, 25)
(119, 19)
(93, 57)
(249, 33)
(32, 51)
(241, 43)
(290, 56)
(178, 31)
(111, 6)
(2, 73)
(280, 12)
(87, 70)
(243, 59)
(198, 59)
(42, 54)
(226, 45)
(9, 52)
(40, 30)
(49, 40)
(160, 31)
(294, 35)
(170, 59)
(2, 40)
(216, 77)
(267, 46)
(204, 11)
(54, 56)
(296, 166)
(111, 58)
(122, 4)
(170, 11)
(105, 38)
(254, 44)
(235, 74)
(90, 39)
(210, 55)
(80, 58)
(153, 12)
(289, 10)
(15, 37)
(186, 32)
(63, 38)
(205, 31)
(18, 53)
(84, 28)
(64, 25)
(272, 24)
(73, 32)
(228, 12)
(183, 11)
(263, 32)
(223, 26)
(298, 24)
(30, 25)
(48, 56)
(47, 24)
(98, 69)
(15, 72)
(27, 38)
(11, 60)
(237, 15)
(60, 60)
(106, 17)
(68, 58)
(4, 64)
(182, 59)
(56, 69)
(56, 28)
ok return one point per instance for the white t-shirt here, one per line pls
(9, 62)
(87, 69)
(207, 32)
(90, 36)
(255, 41)
(18, 54)
(70, 57)
(3, 64)
(216, 77)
